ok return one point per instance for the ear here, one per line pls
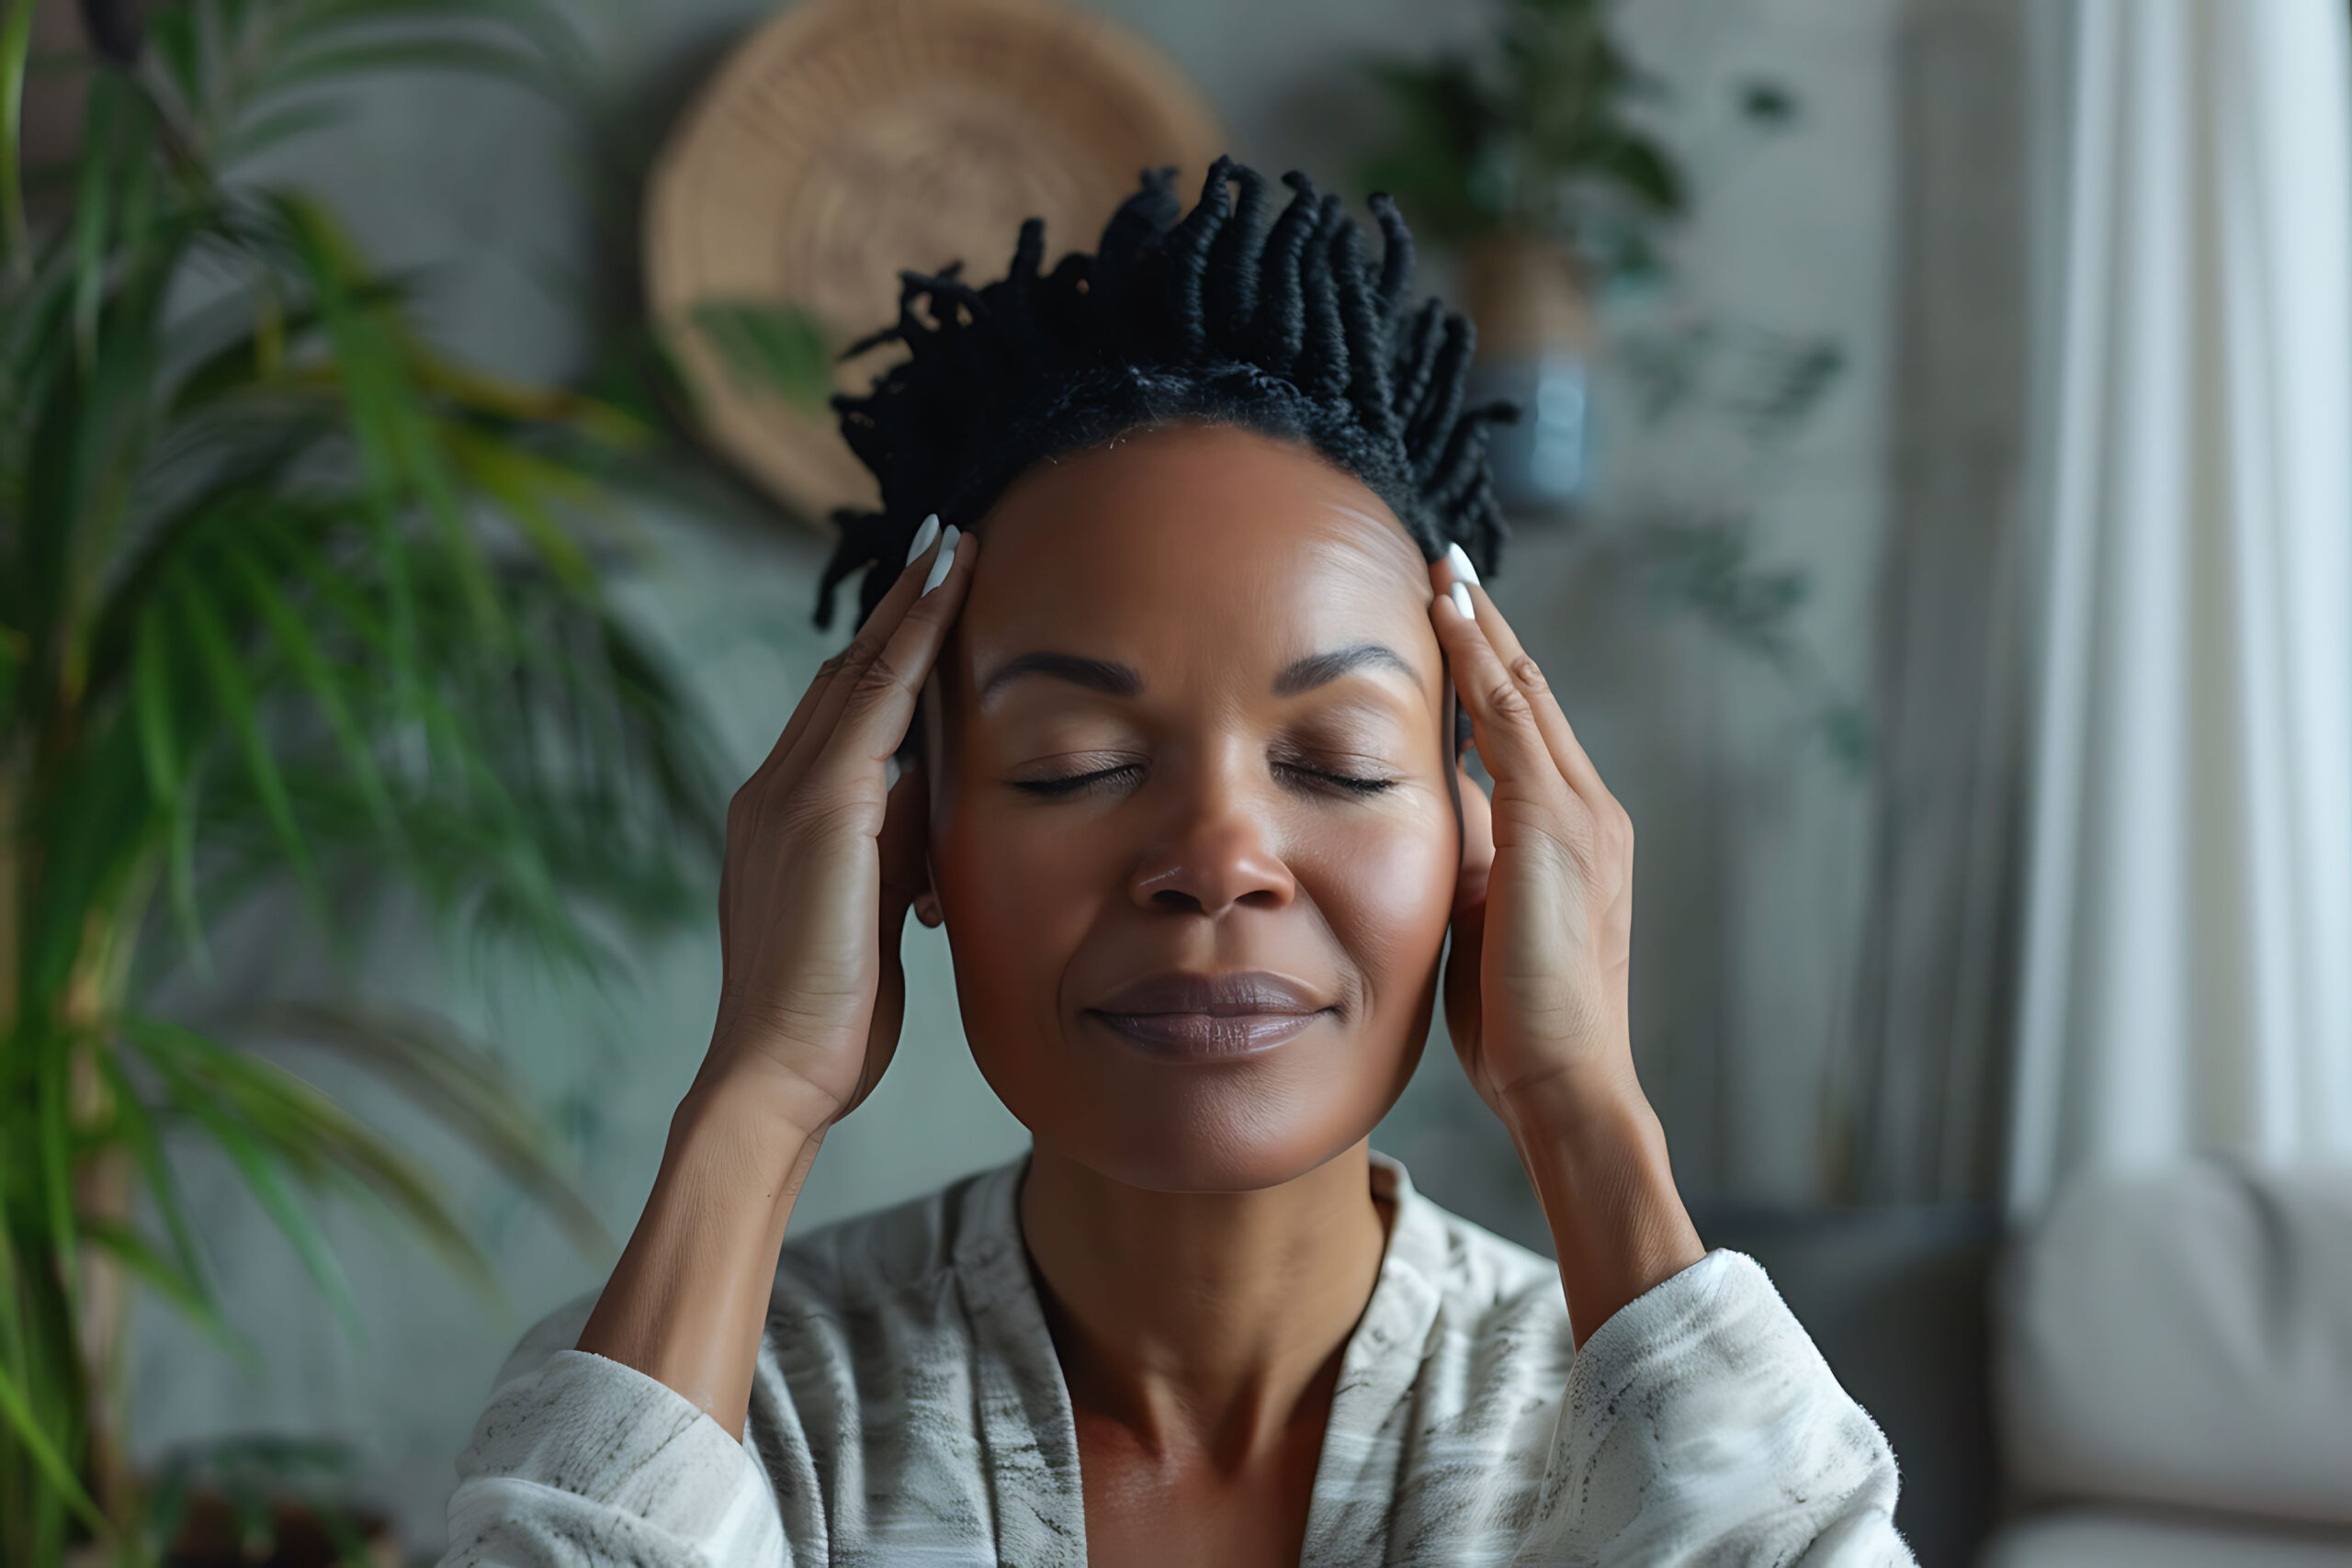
(925, 903)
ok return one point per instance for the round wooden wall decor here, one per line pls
(850, 138)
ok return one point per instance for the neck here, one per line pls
(1202, 1322)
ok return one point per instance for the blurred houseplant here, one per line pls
(1533, 162)
(284, 593)
(1540, 142)
(1531, 165)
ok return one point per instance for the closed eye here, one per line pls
(1072, 784)
(1316, 778)
(1353, 784)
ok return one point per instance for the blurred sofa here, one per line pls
(2173, 1374)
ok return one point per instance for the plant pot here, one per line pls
(210, 1536)
(1535, 319)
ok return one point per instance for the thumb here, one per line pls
(906, 826)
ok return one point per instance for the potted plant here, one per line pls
(1533, 163)
(239, 1501)
(285, 593)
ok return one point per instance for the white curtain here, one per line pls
(2186, 978)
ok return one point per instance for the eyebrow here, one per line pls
(1113, 679)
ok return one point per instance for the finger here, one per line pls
(866, 717)
(1551, 719)
(861, 648)
(1502, 716)
(888, 620)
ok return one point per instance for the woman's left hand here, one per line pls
(1535, 989)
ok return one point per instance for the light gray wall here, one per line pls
(1752, 841)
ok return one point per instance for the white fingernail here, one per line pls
(939, 568)
(1461, 597)
(924, 537)
(1463, 570)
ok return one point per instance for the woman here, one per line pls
(1182, 777)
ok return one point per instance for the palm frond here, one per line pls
(16, 1406)
(285, 591)
(16, 46)
(271, 1125)
(133, 1124)
(780, 350)
(167, 1278)
(235, 698)
(460, 1086)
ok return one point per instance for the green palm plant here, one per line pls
(285, 593)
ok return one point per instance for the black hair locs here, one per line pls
(1288, 329)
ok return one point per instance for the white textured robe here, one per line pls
(908, 1410)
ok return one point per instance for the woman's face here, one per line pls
(1192, 722)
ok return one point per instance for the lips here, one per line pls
(1222, 996)
(1193, 1015)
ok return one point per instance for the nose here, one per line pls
(1216, 850)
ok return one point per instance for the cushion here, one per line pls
(2185, 1338)
(2091, 1540)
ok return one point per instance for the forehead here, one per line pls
(1192, 552)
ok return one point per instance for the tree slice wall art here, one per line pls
(848, 139)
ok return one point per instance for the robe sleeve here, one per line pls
(581, 1460)
(1702, 1424)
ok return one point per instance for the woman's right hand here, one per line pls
(823, 857)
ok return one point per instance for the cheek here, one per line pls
(1019, 895)
(1387, 890)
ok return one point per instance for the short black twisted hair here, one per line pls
(1287, 329)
